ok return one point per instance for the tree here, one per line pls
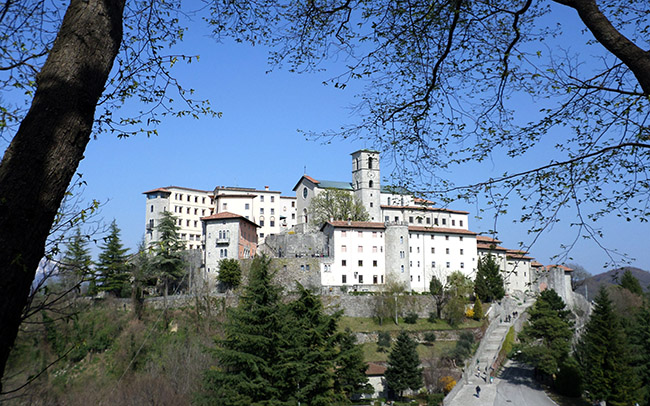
(437, 74)
(545, 340)
(229, 273)
(336, 204)
(437, 290)
(403, 371)
(64, 63)
(603, 354)
(579, 276)
(350, 372)
(478, 309)
(640, 340)
(489, 282)
(459, 288)
(142, 274)
(113, 270)
(629, 282)
(167, 251)
(76, 262)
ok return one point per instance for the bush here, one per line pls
(433, 317)
(383, 341)
(430, 337)
(448, 383)
(411, 318)
(477, 310)
(469, 313)
(569, 379)
(466, 336)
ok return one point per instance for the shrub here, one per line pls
(477, 310)
(430, 337)
(433, 317)
(448, 383)
(469, 313)
(411, 318)
(569, 379)
(466, 336)
(383, 341)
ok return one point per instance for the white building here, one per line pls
(188, 205)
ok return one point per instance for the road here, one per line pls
(513, 387)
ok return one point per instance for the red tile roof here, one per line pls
(562, 267)
(536, 264)
(424, 208)
(225, 215)
(166, 189)
(441, 230)
(160, 189)
(309, 178)
(485, 238)
(487, 246)
(355, 224)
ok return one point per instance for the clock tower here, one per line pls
(365, 181)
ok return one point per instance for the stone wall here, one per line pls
(292, 245)
(364, 305)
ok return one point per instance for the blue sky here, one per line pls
(256, 143)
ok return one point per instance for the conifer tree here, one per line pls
(545, 340)
(167, 250)
(350, 371)
(603, 354)
(250, 352)
(478, 309)
(641, 343)
(437, 290)
(489, 283)
(76, 262)
(112, 264)
(629, 282)
(404, 370)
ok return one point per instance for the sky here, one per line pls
(256, 143)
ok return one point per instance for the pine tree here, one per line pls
(141, 275)
(76, 262)
(478, 309)
(437, 290)
(545, 340)
(404, 370)
(229, 273)
(629, 282)
(489, 283)
(112, 265)
(350, 371)
(250, 352)
(640, 344)
(603, 354)
(168, 250)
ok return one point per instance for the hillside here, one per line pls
(591, 285)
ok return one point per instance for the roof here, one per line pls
(355, 224)
(251, 196)
(226, 215)
(488, 246)
(309, 178)
(243, 189)
(562, 267)
(486, 239)
(375, 369)
(441, 230)
(333, 184)
(365, 150)
(166, 189)
(536, 264)
(516, 254)
(425, 208)
(342, 185)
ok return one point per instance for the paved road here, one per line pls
(513, 387)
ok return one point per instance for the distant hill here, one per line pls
(591, 285)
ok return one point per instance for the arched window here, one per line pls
(370, 184)
(370, 163)
(304, 213)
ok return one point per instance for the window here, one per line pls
(196, 223)
(344, 248)
(272, 223)
(203, 212)
(180, 222)
(453, 222)
(460, 238)
(188, 210)
(374, 263)
(419, 220)
(370, 184)
(302, 268)
(386, 219)
(411, 278)
(435, 222)
(360, 234)
(188, 198)
(401, 239)
(428, 220)
(402, 268)
(446, 250)
(418, 264)
(262, 198)
(410, 219)
(382, 279)
(418, 278)
(261, 235)
(344, 233)
(293, 216)
(374, 279)
(433, 264)
(460, 223)
(446, 238)
(360, 248)
(461, 251)
(196, 199)
(203, 200)
(369, 162)
(187, 223)
(152, 208)
(401, 254)
(261, 210)
(433, 250)
(261, 223)
(272, 199)
(411, 264)
(344, 262)
(396, 219)
(448, 265)
(444, 222)
(374, 248)
(247, 206)
(293, 204)
(307, 267)
(360, 278)
(374, 234)
(361, 262)
(196, 212)
(344, 279)
(180, 196)
(432, 236)
(418, 250)
(151, 223)
(462, 265)
(410, 249)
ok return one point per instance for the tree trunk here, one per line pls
(45, 152)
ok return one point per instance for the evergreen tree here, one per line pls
(229, 273)
(253, 344)
(437, 290)
(168, 250)
(640, 344)
(76, 262)
(629, 282)
(112, 264)
(142, 275)
(404, 370)
(545, 340)
(603, 354)
(489, 283)
(350, 371)
(478, 309)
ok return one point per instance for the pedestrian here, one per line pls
(478, 391)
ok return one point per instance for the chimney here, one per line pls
(266, 188)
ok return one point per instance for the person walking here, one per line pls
(478, 391)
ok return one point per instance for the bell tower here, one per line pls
(365, 181)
